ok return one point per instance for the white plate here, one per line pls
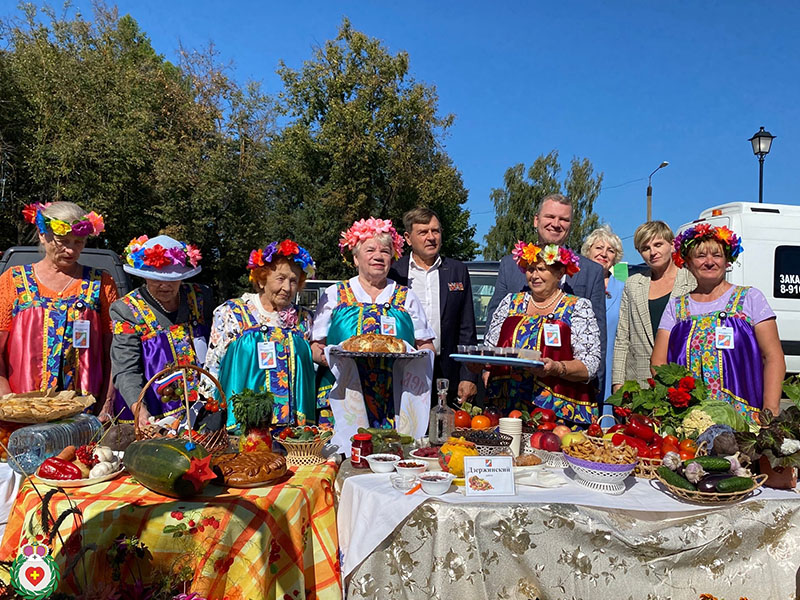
(496, 360)
(75, 483)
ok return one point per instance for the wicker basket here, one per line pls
(215, 442)
(646, 467)
(711, 497)
(304, 453)
(488, 442)
(605, 429)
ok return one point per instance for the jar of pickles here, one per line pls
(361, 447)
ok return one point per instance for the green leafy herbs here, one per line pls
(777, 439)
(252, 409)
(791, 387)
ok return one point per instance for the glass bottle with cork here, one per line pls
(442, 416)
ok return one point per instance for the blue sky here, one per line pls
(626, 84)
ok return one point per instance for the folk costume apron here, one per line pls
(350, 318)
(162, 347)
(517, 388)
(735, 374)
(291, 379)
(48, 346)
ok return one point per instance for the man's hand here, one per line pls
(466, 390)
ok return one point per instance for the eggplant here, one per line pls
(709, 482)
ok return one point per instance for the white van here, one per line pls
(770, 261)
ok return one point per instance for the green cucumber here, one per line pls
(672, 478)
(734, 484)
(712, 464)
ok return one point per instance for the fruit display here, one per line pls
(451, 455)
(173, 467)
(306, 433)
(77, 464)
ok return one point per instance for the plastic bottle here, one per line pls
(30, 446)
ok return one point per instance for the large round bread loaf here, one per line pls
(374, 342)
(249, 468)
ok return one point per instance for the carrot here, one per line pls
(67, 453)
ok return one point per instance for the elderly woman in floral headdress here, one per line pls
(162, 323)
(559, 325)
(55, 329)
(261, 340)
(369, 303)
(724, 333)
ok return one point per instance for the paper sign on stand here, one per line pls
(489, 476)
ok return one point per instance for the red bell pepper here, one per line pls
(548, 415)
(59, 469)
(594, 430)
(640, 430)
(640, 418)
(641, 447)
(616, 428)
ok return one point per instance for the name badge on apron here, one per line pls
(552, 335)
(80, 333)
(723, 337)
(388, 326)
(200, 349)
(267, 356)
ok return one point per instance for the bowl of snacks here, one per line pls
(411, 468)
(383, 463)
(428, 455)
(436, 483)
(401, 482)
(603, 466)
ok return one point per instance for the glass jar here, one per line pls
(360, 449)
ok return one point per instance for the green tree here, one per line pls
(363, 138)
(517, 202)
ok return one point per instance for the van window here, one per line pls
(482, 290)
(308, 298)
(786, 281)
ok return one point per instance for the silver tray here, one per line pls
(349, 354)
(496, 360)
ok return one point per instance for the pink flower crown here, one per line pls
(526, 255)
(366, 229)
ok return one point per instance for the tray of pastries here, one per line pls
(373, 345)
(249, 469)
(41, 407)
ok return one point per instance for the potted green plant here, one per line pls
(253, 413)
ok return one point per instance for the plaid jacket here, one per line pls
(634, 343)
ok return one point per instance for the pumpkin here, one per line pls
(452, 453)
(168, 467)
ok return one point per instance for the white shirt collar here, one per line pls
(413, 264)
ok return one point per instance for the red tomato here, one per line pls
(515, 414)
(594, 430)
(687, 454)
(669, 448)
(462, 419)
(546, 426)
(688, 445)
(671, 439)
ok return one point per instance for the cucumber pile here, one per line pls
(710, 474)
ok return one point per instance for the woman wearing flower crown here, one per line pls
(724, 333)
(55, 329)
(369, 303)
(559, 325)
(261, 340)
(161, 323)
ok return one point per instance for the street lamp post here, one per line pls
(762, 142)
(650, 191)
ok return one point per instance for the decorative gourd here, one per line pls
(452, 453)
(168, 467)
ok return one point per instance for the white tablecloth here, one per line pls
(370, 508)
(9, 486)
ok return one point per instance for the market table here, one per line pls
(564, 543)
(265, 542)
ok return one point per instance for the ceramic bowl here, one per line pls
(404, 468)
(431, 461)
(382, 463)
(401, 482)
(436, 483)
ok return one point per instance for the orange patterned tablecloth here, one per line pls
(270, 542)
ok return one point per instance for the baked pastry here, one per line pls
(374, 342)
(247, 469)
(40, 407)
(527, 460)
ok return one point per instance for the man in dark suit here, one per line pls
(443, 286)
(552, 223)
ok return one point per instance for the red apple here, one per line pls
(561, 430)
(550, 442)
(536, 440)
(494, 415)
(548, 416)
(549, 426)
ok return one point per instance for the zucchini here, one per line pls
(711, 464)
(672, 478)
(734, 484)
(160, 465)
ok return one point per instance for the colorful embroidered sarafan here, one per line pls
(350, 318)
(735, 375)
(41, 353)
(164, 346)
(518, 388)
(291, 381)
